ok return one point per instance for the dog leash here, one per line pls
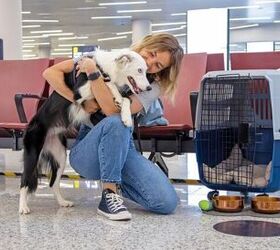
(138, 135)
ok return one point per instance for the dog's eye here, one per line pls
(140, 71)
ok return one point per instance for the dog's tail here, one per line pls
(48, 160)
(30, 174)
(53, 155)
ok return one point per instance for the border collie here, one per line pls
(44, 140)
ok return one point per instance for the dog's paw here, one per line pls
(24, 210)
(127, 121)
(65, 203)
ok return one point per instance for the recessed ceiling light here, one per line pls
(63, 49)
(34, 44)
(44, 14)
(28, 46)
(179, 14)
(164, 24)
(29, 55)
(110, 17)
(89, 8)
(122, 3)
(124, 33)
(171, 29)
(251, 18)
(31, 26)
(244, 7)
(244, 26)
(27, 37)
(71, 45)
(181, 34)
(28, 40)
(45, 31)
(58, 34)
(40, 21)
(73, 38)
(135, 11)
(26, 12)
(111, 38)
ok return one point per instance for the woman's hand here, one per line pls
(86, 65)
(91, 106)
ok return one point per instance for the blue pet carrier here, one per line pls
(238, 130)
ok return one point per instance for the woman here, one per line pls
(106, 152)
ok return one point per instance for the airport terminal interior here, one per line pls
(218, 141)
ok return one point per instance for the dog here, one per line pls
(45, 141)
(238, 170)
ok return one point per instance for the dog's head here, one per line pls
(132, 70)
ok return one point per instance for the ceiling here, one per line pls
(75, 17)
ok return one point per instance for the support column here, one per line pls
(44, 51)
(140, 28)
(11, 28)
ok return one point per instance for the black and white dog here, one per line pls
(45, 141)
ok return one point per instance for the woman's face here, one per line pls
(156, 60)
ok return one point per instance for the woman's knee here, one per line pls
(164, 203)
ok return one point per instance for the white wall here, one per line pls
(207, 30)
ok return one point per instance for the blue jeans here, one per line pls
(107, 153)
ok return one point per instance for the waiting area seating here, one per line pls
(256, 60)
(22, 89)
(27, 87)
(175, 138)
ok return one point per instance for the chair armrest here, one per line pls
(193, 101)
(19, 104)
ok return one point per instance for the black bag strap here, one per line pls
(138, 135)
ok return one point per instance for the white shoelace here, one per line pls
(115, 202)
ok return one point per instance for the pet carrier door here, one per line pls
(234, 136)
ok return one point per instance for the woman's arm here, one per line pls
(55, 77)
(102, 93)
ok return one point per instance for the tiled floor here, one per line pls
(52, 227)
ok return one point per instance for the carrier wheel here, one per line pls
(212, 194)
(246, 196)
(264, 194)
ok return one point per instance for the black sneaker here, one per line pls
(111, 206)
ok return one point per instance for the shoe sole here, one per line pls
(120, 216)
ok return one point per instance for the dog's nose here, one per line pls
(149, 88)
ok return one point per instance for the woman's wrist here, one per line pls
(90, 66)
(91, 70)
(87, 65)
(94, 76)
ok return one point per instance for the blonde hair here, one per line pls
(164, 42)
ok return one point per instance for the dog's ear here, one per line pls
(123, 59)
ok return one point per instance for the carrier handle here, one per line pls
(228, 75)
